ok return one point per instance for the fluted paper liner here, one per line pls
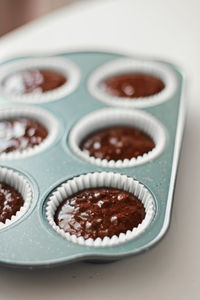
(34, 113)
(65, 66)
(109, 117)
(125, 65)
(103, 179)
(19, 183)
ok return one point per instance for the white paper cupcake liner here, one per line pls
(130, 65)
(19, 183)
(109, 117)
(103, 179)
(65, 66)
(34, 113)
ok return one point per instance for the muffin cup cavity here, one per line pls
(113, 117)
(64, 66)
(19, 183)
(34, 113)
(128, 65)
(103, 179)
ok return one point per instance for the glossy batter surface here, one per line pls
(34, 81)
(117, 143)
(100, 212)
(20, 134)
(132, 85)
(10, 202)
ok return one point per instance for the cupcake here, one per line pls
(117, 143)
(35, 80)
(25, 131)
(15, 196)
(133, 83)
(99, 212)
(20, 134)
(100, 209)
(10, 202)
(38, 80)
(117, 138)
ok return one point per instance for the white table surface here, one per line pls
(165, 29)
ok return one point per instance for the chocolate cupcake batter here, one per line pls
(117, 143)
(132, 85)
(10, 202)
(34, 81)
(100, 212)
(20, 134)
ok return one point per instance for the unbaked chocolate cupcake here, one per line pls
(99, 212)
(38, 80)
(117, 143)
(35, 80)
(10, 202)
(15, 196)
(117, 138)
(25, 131)
(100, 209)
(20, 134)
(133, 83)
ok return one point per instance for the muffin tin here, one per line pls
(30, 241)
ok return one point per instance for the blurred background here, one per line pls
(15, 13)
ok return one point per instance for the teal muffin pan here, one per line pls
(69, 113)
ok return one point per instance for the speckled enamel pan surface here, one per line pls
(31, 241)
